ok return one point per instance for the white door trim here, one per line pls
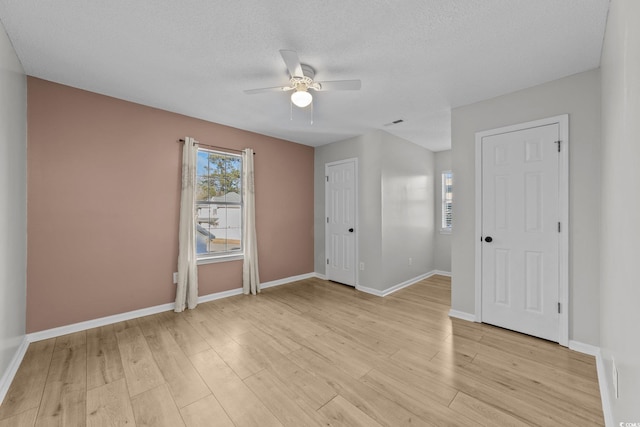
(563, 262)
(356, 246)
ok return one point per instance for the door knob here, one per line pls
(488, 239)
(351, 230)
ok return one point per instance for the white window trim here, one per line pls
(220, 258)
(444, 230)
(225, 256)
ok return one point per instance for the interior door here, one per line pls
(340, 191)
(520, 230)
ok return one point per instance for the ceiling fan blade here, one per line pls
(340, 85)
(268, 89)
(292, 61)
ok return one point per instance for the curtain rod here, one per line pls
(219, 148)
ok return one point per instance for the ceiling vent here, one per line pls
(395, 122)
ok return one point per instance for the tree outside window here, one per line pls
(218, 204)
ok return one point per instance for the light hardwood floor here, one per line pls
(304, 354)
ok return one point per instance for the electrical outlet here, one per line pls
(362, 266)
(614, 374)
(410, 261)
(175, 278)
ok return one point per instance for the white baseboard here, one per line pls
(108, 320)
(605, 397)
(371, 291)
(287, 280)
(462, 315)
(395, 288)
(12, 369)
(442, 273)
(96, 323)
(581, 347)
(219, 295)
(607, 408)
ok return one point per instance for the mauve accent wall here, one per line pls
(103, 201)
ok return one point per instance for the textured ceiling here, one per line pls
(416, 59)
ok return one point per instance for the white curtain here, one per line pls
(250, 276)
(187, 290)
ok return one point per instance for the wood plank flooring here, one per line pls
(304, 354)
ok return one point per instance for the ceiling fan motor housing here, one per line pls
(301, 79)
(306, 81)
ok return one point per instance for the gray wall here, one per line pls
(442, 249)
(408, 180)
(13, 203)
(579, 96)
(368, 202)
(620, 226)
(395, 207)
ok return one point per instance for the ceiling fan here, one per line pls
(301, 81)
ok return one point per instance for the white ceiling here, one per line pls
(416, 58)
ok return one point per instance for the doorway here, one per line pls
(341, 195)
(522, 228)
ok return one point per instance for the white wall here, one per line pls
(395, 207)
(620, 253)
(13, 205)
(408, 223)
(579, 96)
(442, 250)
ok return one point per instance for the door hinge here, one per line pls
(327, 220)
(327, 261)
(327, 178)
(558, 226)
(559, 143)
(558, 308)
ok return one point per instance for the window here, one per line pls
(447, 201)
(218, 205)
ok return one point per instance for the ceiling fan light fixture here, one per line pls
(301, 98)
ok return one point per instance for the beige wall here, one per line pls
(442, 249)
(578, 96)
(620, 226)
(13, 205)
(104, 182)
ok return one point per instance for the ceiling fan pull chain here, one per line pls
(291, 112)
(312, 113)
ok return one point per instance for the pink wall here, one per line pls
(103, 202)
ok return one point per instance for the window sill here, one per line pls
(445, 231)
(224, 258)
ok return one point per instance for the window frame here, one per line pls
(214, 257)
(444, 202)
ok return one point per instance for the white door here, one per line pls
(340, 246)
(521, 230)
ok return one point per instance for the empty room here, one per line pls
(383, 213)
